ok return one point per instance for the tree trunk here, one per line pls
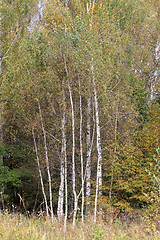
(65, 158)
(88, 160)
(40, 173)
(37, 16)
(81, 153)
(61, 188)
(47, 163)
(99, 163)
(154, 77)
(73, 158)
(65, 173)
(73, 150)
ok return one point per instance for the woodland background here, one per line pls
(80, 106)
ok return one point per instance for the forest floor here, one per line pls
(17, 226)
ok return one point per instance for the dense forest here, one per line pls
(80, 106)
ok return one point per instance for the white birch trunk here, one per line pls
(73, 158)
(88, 160)
(81, 153)
(65, 173)
(36, 19)
(47, 163)
(154, 77)
(99, 151)
(73, 150)
(40, 173)
(65, 158)
(157, 54)
(65, 150)
(61, 188)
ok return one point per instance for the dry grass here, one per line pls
(18, 227)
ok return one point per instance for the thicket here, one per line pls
(80, 106)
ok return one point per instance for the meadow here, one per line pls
(20, 227)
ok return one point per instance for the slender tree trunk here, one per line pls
(88, 160)
(81, 153)
(47, 163)
(73, 150)
(65, 173)
(36, 19)
(62, 175)
(65, 157)
(157, 55)
(99, 163)
(73, 158)
(40, 173)
(154, 77)
(61, 188)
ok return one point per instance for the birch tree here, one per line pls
(99, 150)
(73, 148)
(63, 189)
(154, 78)
(90, 7)
(81, 151)
(65, 174)
(62, 173)
(88, 158)
(47, 163)
(40, 173)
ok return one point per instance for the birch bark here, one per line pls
(88, 160)
(73, 158)
(90, 7)
(47, 162)
(40, 173)
(81, 152)
(99, 150)
(65, 173)
(73, 149)
(61, 188)
(154, 77)
(36, 19)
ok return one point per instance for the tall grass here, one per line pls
(18, 227)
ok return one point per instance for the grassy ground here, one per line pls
(16, 227)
